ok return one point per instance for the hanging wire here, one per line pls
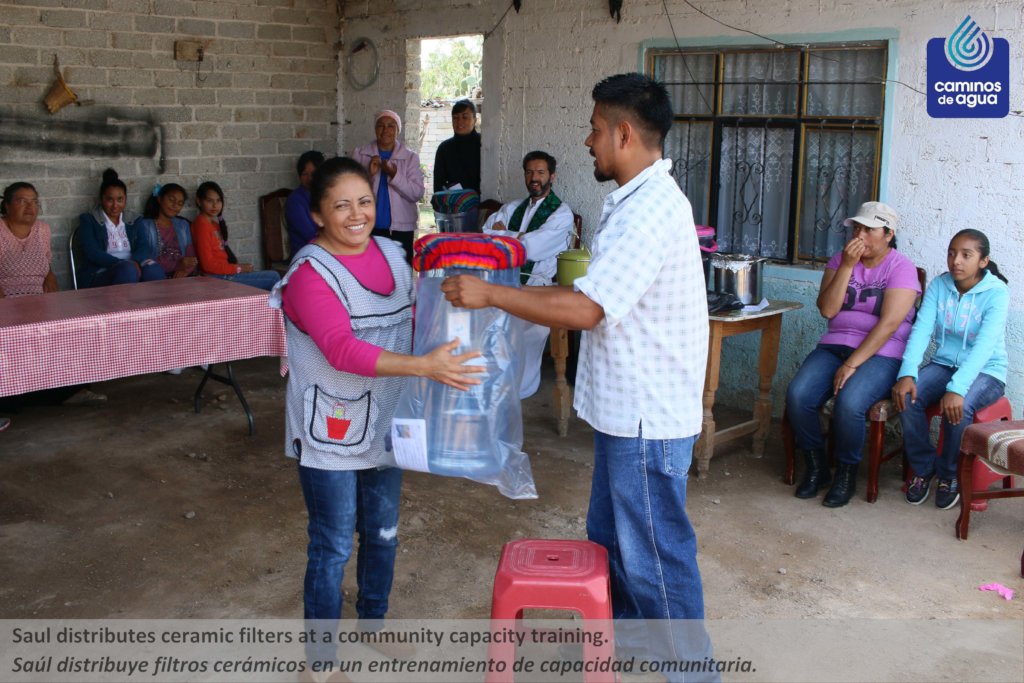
(495, 28)
(711, 110)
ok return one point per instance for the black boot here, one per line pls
(816, 474)
(843, 487)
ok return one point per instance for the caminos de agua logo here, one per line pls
(968, 74)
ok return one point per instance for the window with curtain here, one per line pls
(775, 147)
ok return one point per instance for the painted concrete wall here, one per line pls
(265, 92)
(540, 64)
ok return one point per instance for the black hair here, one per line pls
(9, 194)
(537, 154)
(463, 105)
(110, 180)
(329, 172)
(311, 157)
(892, 242)
(984, 248)
(644, 100)
(201, 192)
(152, 209)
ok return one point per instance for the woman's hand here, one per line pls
(441, 365)
(852, 252)
(390, 167)
(189, 262)
(844, 373)
(904, 386)
(374, 165)
(244, 267)
(179, 274)
(952, 407)
(49, 284)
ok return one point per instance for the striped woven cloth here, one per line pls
(455, 201)
(467, 250)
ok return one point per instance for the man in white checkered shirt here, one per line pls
(643, 354)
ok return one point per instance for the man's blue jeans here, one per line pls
(341, 503)
(638, 513)
(931, 385)
(812, 386)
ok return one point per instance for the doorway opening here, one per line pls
(445, 70)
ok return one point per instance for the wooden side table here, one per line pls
(559, 349)
(769, 322)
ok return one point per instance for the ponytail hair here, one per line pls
(152, 209)
(205, 189)
(984, 248)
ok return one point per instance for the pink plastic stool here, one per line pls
(981, 476)
(536, 573)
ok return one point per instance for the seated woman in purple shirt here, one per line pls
(867, 295)
(301, 228)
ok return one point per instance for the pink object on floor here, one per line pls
(1007, 593)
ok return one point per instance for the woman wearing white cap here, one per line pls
(867, 295)
(397, 180)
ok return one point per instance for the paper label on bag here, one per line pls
(409, 441)
(460, 324)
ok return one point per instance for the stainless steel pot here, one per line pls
(739, 275)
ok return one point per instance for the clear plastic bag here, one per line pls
(476, 434)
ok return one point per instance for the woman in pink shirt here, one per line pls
(347, 300)
(24, 244)
(867, 295)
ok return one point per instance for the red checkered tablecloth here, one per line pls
(93, 335)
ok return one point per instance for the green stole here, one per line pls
(544, 211)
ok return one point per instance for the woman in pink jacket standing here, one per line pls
(397, 180)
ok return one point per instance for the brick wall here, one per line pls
(265, 92)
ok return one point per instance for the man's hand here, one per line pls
(498, 225)
(467, 291)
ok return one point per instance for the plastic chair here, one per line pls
(72, 248)
(998, 446)
(555, 574)
(983, 477)
(274, 230)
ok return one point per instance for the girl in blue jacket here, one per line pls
(965, 311)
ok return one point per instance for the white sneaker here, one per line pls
(173, 371)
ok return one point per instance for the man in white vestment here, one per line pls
(544, 224)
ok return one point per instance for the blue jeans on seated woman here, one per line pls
(931, 385)
(124, 272)
(264, 279)
(812, 386)
(341, 503)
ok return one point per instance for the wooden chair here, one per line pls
(274, 230)
(1000, 447)
(487, 207)
(879, 415)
